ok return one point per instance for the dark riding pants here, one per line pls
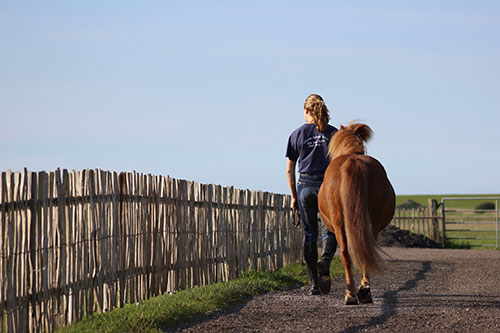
(307, 191)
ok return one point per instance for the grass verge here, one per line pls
(162, 312)
(457, 244)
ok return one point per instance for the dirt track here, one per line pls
(422, 290)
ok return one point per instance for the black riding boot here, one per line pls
(329, 248)
(311, 257)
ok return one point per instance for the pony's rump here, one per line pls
(354, 192)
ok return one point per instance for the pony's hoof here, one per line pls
(351, 300)
(365, 295)
(325, 282)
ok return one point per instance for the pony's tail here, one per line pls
(361, 244)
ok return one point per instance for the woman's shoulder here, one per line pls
(306, 130)
(303, 129)
(330, 126)
(331, 129)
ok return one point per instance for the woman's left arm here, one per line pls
(290, 176)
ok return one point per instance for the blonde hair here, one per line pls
(318, 110)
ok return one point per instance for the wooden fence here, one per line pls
(74, 243)
(425, 221)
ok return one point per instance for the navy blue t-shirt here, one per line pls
(309, 147)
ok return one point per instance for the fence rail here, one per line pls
(425, 221)
(74, 243)
(476, 227)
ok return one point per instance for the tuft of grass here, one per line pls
(161, 312)
(457, 244)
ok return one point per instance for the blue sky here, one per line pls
(210, 90)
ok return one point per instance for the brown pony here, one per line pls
(356, 201)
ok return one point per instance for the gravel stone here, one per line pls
(421, 290)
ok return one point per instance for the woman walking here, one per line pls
(308, 147)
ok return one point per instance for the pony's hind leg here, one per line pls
(364, 291)
(350, 294)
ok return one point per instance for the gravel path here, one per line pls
(422, 290)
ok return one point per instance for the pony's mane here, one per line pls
(349, 139)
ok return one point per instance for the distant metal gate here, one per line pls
(477, 227)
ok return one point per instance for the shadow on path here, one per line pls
(390, 300)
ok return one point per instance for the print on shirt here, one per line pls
(315, 141)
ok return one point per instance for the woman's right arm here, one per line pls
(290, 176)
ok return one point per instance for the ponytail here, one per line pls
(319, 112)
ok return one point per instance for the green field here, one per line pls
(463, 226)
(461, 204)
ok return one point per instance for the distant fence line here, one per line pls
(74, 243)
(424, 220)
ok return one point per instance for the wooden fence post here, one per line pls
(435, 219)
